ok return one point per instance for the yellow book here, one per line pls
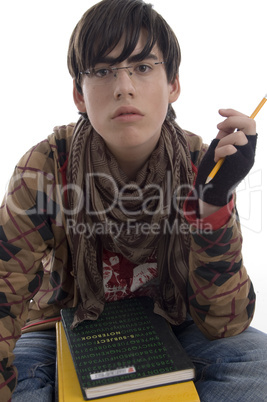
(69, 388)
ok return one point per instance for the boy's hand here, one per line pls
(238, 149)
(227, 135)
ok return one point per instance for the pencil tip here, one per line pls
(208, 180)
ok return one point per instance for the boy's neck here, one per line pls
(130, 171)
(131, 166)
(131, 162)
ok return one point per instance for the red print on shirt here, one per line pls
(123, 278)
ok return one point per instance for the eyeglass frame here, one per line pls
(115, 69)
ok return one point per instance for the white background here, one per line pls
(224, 64)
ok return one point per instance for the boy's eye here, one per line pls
(143, 68)
(102, 72)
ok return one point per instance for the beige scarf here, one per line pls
(110, 212)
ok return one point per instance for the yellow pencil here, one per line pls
(220, 161)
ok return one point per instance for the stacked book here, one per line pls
(129, 354)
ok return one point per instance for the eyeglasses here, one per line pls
(104, 75)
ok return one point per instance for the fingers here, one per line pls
(235, 121)
(232, 132)
(231, 112)
(226, 145)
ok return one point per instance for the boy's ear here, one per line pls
(78, 99)
(175, 90)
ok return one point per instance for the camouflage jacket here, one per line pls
(36, 278)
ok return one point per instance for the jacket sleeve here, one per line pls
(25, 239)
(220, 292)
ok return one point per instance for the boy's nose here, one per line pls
(123, 83)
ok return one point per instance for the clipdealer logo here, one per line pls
(49, 196)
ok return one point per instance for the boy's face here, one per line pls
(129, 112)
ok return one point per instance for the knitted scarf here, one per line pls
(111, 213)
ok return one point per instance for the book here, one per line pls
(69, 389)
(128, 348)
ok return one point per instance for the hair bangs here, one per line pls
(125, 25)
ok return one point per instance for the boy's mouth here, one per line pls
(127, 111)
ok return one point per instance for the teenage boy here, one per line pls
(117, 206)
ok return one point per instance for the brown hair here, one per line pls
(103, 25)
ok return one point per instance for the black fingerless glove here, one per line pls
(233, 170)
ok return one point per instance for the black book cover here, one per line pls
(127, 348)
